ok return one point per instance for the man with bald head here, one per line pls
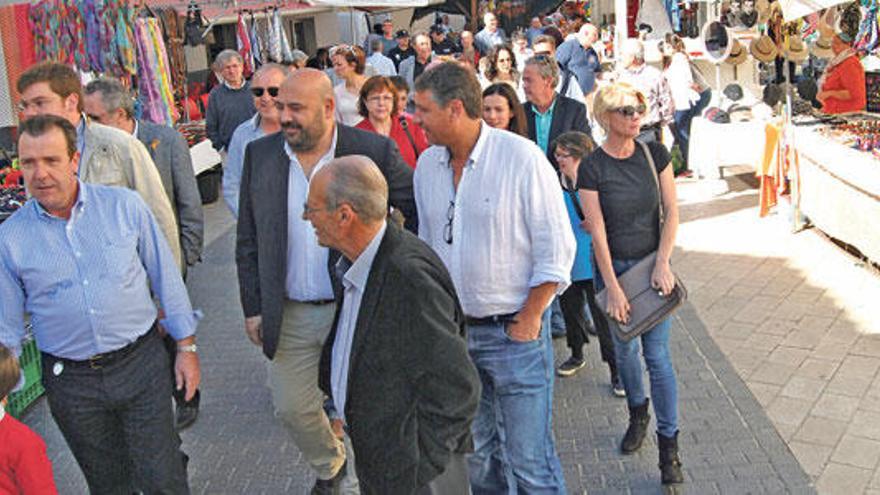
(396, 361)
(578, 56)
(284, 275)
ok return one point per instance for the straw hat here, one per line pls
(737, 54)
(796, 50)
(763, 49)
(822, 47)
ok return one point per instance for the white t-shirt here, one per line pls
(346, 106)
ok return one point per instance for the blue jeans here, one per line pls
(514, 450)
(683, 118)
(655, 348)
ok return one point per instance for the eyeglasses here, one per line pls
(560, 154)
(258, 92)
(630, 111)
(450, 216)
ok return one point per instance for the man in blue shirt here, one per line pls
(578, 56)
(82, 259)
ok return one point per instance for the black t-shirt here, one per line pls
(445, 47)
(397, 55)
(628, 197)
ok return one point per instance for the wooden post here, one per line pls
(474, 12)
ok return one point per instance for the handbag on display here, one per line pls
(648, 306)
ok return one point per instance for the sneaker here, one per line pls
(570, 366)
(617, 387)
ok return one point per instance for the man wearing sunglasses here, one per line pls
(230, 103)
(264, 87)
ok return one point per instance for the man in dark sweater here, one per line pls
(230, 103)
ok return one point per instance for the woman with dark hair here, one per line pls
(570, 149)
(349, 63)
(379, 106)
(842, 85)
(321, 60)
(501, 67)
(502, 109)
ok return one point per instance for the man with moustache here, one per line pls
(284, 275)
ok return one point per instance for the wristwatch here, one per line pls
(187, 348)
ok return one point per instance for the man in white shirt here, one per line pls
(383, 65)
(489, 204)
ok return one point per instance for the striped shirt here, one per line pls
(86, 281)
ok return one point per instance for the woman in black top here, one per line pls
(622, 203)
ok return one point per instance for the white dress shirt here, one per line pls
(510, 229)
(384, 66)
(354, 281)
(307, 277)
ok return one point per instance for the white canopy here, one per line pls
(795, 9)
(371, 3)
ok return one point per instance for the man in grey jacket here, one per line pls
(412, 67)
(107, 156)
(108, 102)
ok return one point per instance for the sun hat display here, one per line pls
(737, 54)
(808, 89)
(772, 94)
(796, 51)
(717, 115)
(822, 47)
(733, 92)
(763, 49)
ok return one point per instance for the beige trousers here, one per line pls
(293, 379)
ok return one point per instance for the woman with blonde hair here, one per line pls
(624, 186)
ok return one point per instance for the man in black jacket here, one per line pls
(284, 275)
(548, 113)
(396, 361)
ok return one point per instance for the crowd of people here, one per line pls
(409, 219)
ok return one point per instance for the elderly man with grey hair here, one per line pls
(230, 102)
(577, 55)
(108, 102)
(548, 113)
(383, 65)
(398, 334)
(653, 84)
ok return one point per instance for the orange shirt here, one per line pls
(849, 75)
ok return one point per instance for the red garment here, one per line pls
(24, 466)
(398, 135)
(849, 75)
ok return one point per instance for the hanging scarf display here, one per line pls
(124, 37)
(89, 12)
(155, 90)
(18, 43)
(256, 43)
(172, 28)
(275, 52)
(243, 41)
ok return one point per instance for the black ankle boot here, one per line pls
(638, 427)
(670, 464)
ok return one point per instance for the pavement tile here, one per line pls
(865, 424)
(775, 326)
(833, 406)
(821, 431)
(772, 373)
(764, 392)
(830, 350)
(839, 479)
(811, 456)
(818, 369)
(867, 345)
(735, 331)
(858, 452)
(793, 356)
(854, 386)
(804, 339)
(803, 388)
(788, 411)
(858, 366)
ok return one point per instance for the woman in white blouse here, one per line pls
(687, 94)
(349, 63)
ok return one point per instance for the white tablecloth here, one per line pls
(713, 146)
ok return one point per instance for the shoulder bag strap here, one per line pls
(575, 201)
(412, 142)
(653, 167)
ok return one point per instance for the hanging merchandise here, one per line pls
(256, 47)
(155, 93)
(89, 12)
(18, 50)
(195, 25)
(286, 52)
(261, 34)
(243, 42)
(124, 37)
(172, 29)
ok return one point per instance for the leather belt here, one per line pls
(106, 359)
(318, 302)
(473, 321)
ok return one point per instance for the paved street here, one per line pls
(776, 366)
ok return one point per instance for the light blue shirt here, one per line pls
(543, 121)
(354, 281)
(85, 281)
(307, 278)
(248, 131)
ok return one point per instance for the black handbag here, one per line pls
(648, 306)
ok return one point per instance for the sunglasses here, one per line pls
(630, 110)
(258, 92)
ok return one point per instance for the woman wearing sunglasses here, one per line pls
(349, 63)
(379, 107)
(620, 194)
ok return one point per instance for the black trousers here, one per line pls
(118, 423)
(572, 303)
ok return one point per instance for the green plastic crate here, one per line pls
(29, 361)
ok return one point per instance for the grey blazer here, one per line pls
(407, 70)
(412, 388)
(171, 156)
(261, 245)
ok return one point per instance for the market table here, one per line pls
(713, 146)
(840, 190)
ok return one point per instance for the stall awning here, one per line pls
(359, 4)
(795, 9)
